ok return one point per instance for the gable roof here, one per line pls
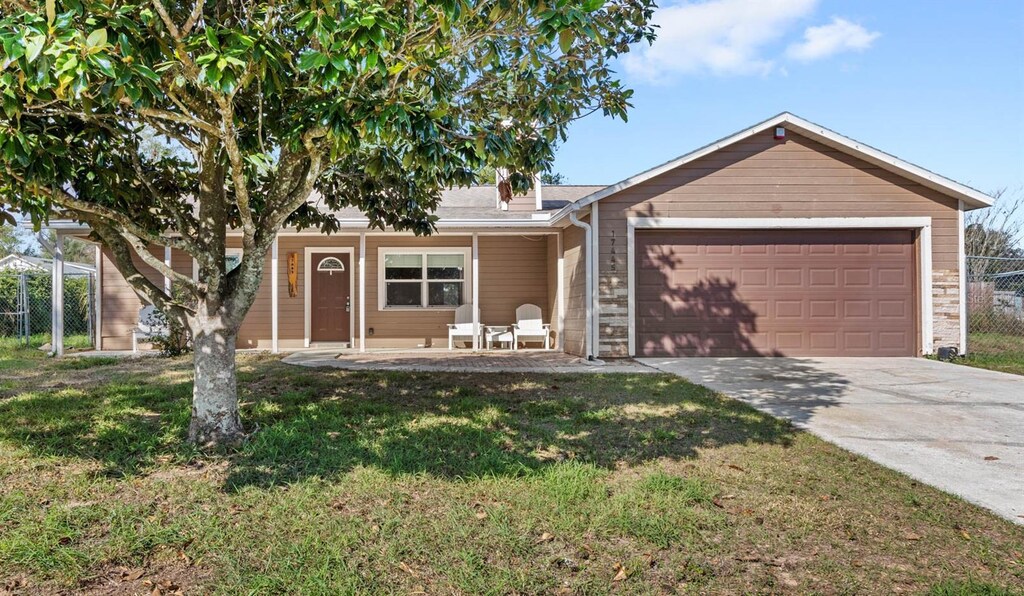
(971, 197)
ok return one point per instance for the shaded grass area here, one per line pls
(485, 483)
(995, 351)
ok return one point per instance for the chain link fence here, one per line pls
(995, 305)
(26, 307)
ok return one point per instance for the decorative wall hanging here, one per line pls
(293, 274)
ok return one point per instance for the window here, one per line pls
(423, 279)
(232, 258)
(330, 265)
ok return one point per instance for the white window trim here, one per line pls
(467, 280)
(307, 290)
(922, 224)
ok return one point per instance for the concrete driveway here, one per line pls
(958, 428)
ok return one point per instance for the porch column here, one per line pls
(98, 298)
(362, 292)
(561, 294)
(167, 263)
(57, 297)
(273, 296)
(476, 292)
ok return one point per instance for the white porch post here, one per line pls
(561, 294)
(476, 291)
(57, 297)
(273, 296)
(362, 292)
(98, 299)
(167, 263)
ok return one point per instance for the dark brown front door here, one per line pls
(331, 297)
(775, 292)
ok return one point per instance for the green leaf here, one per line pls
(565, 39)
(33, 47)
(97, 39)
(368, 21)
(51, 11)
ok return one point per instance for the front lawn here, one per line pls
(995, 351)
(456, 483)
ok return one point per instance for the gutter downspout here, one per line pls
(588, 336)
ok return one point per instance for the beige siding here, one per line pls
(573, 240)
(761, 177)
(291, 309)
(513, 271)
(118, 302)
(525, 202)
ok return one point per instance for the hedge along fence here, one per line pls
(37, 289)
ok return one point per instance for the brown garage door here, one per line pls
(775, 292)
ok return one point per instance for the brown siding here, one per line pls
(255, 330)
(525, 202)
(513, 271)
(119, 304)
(761, 177)
(291, 309)
(573, 239)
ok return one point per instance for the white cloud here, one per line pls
(722, 37)
(838, 36)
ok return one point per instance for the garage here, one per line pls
(796, 292)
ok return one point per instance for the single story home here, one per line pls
(783, 239)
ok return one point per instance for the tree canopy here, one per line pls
(273, 114)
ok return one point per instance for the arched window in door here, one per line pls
(330, 265)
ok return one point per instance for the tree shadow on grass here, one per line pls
(466, 426)
(319, 423)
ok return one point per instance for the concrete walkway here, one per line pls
(958, 428)
(436, 360)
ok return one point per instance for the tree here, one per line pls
(997, 231)
(374, 104)
(13, 240)
(552, 178)
(75, 251)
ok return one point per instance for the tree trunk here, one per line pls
(215, 418)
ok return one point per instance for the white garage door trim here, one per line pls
(922, 224)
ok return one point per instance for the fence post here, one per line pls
(26, 307)
(57, 296)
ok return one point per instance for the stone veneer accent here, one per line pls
(946, 308)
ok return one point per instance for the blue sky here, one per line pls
(939, 83)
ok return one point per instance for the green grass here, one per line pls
(995, 351)
(456, 483)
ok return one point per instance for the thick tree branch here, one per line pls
(64, 199)
(147, 290)
(142, 249)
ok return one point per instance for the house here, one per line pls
(783, 239)
(19, 263)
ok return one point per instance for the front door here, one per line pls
(331, 302)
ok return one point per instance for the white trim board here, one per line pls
(307, 283)
(922, 224)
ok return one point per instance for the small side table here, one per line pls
(497, 333)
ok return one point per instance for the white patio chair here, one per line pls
(530, 327)
(149, 326)
(462, 329)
